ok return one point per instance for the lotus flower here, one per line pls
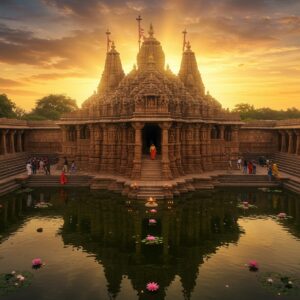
(153, 211)
(281, 215)
(152, 286)
(20, 277)
(246, 203)
(253, 265)
(150, 238)
(270, 280)
(36, 263)
(152, 221)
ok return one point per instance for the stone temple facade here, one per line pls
(113, 131)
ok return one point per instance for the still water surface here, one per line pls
(91, 244)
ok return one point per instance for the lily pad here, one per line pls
(9, 282)
(283, 284)
(22, 191)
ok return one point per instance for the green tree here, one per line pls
(249, 112)
(8, 108)
(51, 107)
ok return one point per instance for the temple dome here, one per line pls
(151, 50)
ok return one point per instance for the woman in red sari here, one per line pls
(152, 151)
(63, 178)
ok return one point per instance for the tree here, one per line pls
(8, 108)
(249, 112)
(51, 107)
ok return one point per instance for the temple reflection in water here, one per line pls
(111, 228)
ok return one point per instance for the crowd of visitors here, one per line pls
(249, 166)
(37, 165)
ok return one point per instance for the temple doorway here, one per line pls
(151, 134)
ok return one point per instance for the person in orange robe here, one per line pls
(152, 151)
(63, 178)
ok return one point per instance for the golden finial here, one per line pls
(113, 47)
(151, 31)
(188, 46)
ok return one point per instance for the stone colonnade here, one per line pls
(289, 141)
(116, 148)
(11, 141)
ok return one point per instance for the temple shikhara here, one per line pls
(116, 126)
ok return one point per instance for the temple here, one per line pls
(113, 131)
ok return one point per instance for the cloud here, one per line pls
(55, 76)
(4, 82)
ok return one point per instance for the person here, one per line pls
(47, 167)
(152, 151)
(41, 169)
(63, 178)
(250, 167)
(239, 163)
(275, 170)
(270, 173)
(254, 167)
(29, 168)
(33, 165)
(229, 165)
(245, 166)
(73, 167)
(66, 165)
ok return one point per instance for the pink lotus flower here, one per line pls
(153, 211)
(253, 265)
(152, 221)
(281, 215)
(246, 203)
(150, 238)
(152, 286)
(36, 263)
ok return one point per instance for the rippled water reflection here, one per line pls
(91, 243)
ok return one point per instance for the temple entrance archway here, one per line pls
(151, 133)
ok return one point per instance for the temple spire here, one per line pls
(151, 31)
(113, 72)
(189, 73)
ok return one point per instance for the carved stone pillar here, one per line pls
(78, 143)
(178, 149)
(298, 142)
(166, 172)
(290, 147)
(104, 157)
(19, 146)
(3, 141)
(208, 159)
(12, 141)
(93, 165)
(197, 155)
(124, 146)
(283, 141)
(172, 151)
(235, 144)
(137, 160)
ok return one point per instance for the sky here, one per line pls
(247, 51)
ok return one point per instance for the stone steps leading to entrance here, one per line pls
(151, 169)
(12, 164)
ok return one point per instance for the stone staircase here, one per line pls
(151, 169)
(292, 185)
(8, 186)
(54, 181)
(12, 164)
(231, 180)
(288, 163)
(145, 192)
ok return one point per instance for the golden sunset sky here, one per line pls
(247, 51)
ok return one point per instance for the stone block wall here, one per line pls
(258, 141)
(43, 140)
